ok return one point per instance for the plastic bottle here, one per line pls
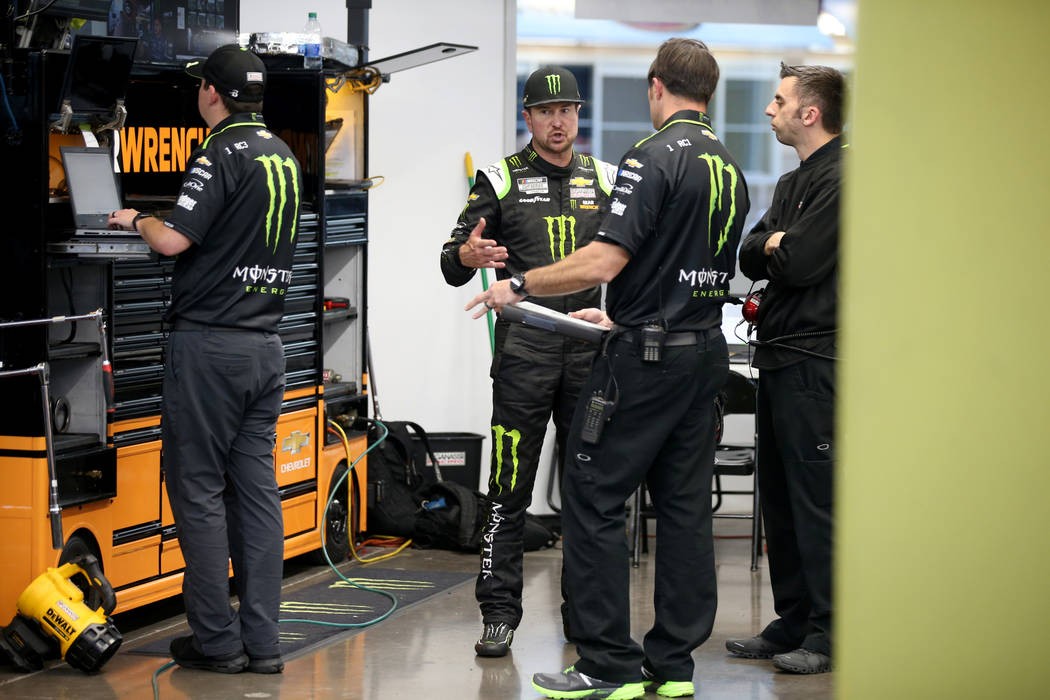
(312, 42)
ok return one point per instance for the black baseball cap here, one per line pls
(235, 72)
(550, 84)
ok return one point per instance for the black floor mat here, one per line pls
(334, 600)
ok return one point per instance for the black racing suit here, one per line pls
(796, 394)
(541, 213)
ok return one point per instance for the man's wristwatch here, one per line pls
(517, 284)
(138, 217)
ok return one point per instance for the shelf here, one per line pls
(345, 242)
(64, 442)
(339, 390)
(340, 314)
(70, 351)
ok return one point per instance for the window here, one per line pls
(745, 130)
(625, 116)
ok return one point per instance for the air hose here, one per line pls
(469, 162)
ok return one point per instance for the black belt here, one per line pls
(182, 324)
(677, 339)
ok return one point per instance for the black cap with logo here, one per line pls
(235, 72)
(550, 84)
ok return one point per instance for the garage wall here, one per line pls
(430, 359)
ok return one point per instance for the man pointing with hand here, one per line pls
(528, 210)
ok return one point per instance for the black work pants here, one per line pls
(535, 374)
(796, 425)
(221, 398)
(663, 432)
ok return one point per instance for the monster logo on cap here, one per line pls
(550, 84)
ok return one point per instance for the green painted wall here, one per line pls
(943, 509)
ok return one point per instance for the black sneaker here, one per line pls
(756, 648)
(185, 653)
(803, 661)
(573, 684)
(667, 689)
(265, 664)
(495, 639)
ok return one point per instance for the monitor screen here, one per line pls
(92, 184)
(172, 31)
(97, 74)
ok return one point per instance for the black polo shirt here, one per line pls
(239, 204)
(678, 208)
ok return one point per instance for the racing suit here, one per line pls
(541, 213)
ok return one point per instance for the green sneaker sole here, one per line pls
(627, 691)
(675, 689)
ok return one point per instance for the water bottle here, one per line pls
(312, 43)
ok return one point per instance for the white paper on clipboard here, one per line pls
(530, 314)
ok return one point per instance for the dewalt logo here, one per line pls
(284, 189)
(561, 230)
(59, 624)
(553, 83)
(499, 438)
(720, 173)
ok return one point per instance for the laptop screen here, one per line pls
(92, 185)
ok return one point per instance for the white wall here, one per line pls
(430, 359)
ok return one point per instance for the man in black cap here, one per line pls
(667, 250)
(233, 228)
(533, 207)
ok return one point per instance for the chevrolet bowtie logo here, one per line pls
(295, 442)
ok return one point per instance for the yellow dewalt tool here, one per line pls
(64, 613)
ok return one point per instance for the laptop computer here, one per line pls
(93, 195)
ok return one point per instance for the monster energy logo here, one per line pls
(274, 166)
(498, 433)
(566, 232)
(514, 161)
(553, 83)
(719, 168)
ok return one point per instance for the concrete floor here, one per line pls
(427, 650)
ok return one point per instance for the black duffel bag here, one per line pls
(450, 516)
(394, 478)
